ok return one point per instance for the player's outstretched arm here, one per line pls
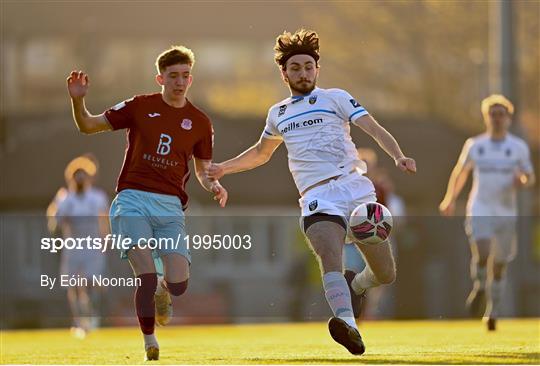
(253, 157)
(457, 181)
(386, 141)
(211, 185)
(77, 84)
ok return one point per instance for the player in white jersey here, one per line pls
(81, 211)
(314, 123)
(500, 164)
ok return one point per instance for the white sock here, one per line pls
(364, 280)
(494, 295)
(150, 340)
(338, 296)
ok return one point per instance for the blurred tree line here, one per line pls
(425, 59)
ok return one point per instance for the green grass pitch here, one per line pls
(394, 342)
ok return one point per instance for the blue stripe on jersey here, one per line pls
(301, 114)
(268, 133)
(358, 111)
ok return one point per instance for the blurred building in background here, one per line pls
(420, 67)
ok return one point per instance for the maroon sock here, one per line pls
(144, 302)
(177, 288)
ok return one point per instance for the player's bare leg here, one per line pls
(327, 239)
(85, 307)
(175, 282)
(143, 267)
(380, 268)
(76, 330)
(94, 298)
(494, 291)
(480, 251)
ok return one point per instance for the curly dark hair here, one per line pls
(301, 42)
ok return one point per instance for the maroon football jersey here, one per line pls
(161, 140)
(380, 192)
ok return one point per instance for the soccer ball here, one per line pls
(371, 223)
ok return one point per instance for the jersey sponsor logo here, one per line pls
(354, 103)
(282, 110)
(312, 99)
(313, 205)
(307, 123)
(186, 124)
(152, 115)
(160, 162)
(164, 146)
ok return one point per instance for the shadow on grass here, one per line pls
(434, 358)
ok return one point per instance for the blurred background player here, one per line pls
(165, 130)
(78, 211)
(367, 307)
(314, 124)
(501, 164)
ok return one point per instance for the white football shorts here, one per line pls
(500, 229)
(338, 197)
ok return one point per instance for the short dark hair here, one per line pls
(175, 55)
(301, 42)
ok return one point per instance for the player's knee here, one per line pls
(386, 277)
(498, 271)
(177, 288)
(329, 256)
(482, 261)
(147, 282)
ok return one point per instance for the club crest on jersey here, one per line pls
(282, 110)
(312, 99)
(186, 124)
(313, 205)
(354, 103)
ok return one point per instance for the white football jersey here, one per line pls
(494, 166)
(81, 211)
(316, 132)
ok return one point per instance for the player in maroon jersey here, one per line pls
(164, 131)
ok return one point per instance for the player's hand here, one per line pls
(406, 165)
(520, 179)
(220, 194)
(215, 171)
(77, 84)
(447, 207)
